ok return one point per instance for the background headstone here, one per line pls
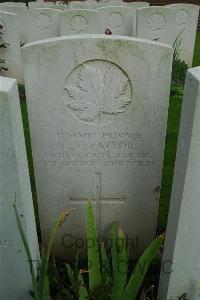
(157, 23)
(117, 19)
(11, 62)
(98, 131)
(43, 23)
(138, 4)
(22, 13)
(181, 262)
(35, 4)
(15, 277)
(79, 22)
(186, 27)
(14, 4)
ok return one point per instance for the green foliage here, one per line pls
(40, 280)
(179, 67)
(93, 253)
(115, 284)
(196, 57)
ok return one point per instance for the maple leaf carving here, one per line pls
(100, 88)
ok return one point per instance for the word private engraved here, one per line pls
(43, 21)
(115, 20)
(78, 23)
(157, 22)
(96, 90)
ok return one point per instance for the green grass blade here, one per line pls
(28, 253)
(43, 282)
(73, 280)
(114, 247)
(141, 269)
(105, 267)
(120, 277)
(83, 294)
(93, 251)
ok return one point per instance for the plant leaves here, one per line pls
(141, 269)
(93, 251)
(83, 294)
(120, 277)
(105, 267)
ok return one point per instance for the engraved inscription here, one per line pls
(96, 90)
(78, 24)
(43, 21)
(115, 20)
(157, 22)
(182, 18)
(105, 149)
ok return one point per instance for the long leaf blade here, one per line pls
(121, 272)
(141, 269)
(105, 267)
(28, 253)
(93, 251)
(83, 294)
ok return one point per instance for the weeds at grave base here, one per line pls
(105, 277)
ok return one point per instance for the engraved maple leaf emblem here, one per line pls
(98, 88)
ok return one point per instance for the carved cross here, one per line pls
(100, 199)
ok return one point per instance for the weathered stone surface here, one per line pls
(138, 4)
(11, 63)
(98, 112)
(43, 23)
(79, 21)
(35, 4)
(15, 278)
(22, 4)
(117, 19)
(157, 23)
(181, 265)
(22, 13)
(186, 26)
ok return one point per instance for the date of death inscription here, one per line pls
(92, 149)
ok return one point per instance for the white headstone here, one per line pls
(157, 23)
(186, 27)
(14, 4)
(35, 4)
(58, 6)
(98, 131)
(181, 263)
(138, 4)
(15, 277)
(10, 60)
(79, 22)
(43, 23)
(22, 13)
(117, 19)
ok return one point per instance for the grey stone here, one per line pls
(98, 113)
(15, 277)
(181, 265)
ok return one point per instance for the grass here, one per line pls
(196, 60)
(170, 149)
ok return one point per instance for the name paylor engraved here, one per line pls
(105, 149)
(97, 90)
